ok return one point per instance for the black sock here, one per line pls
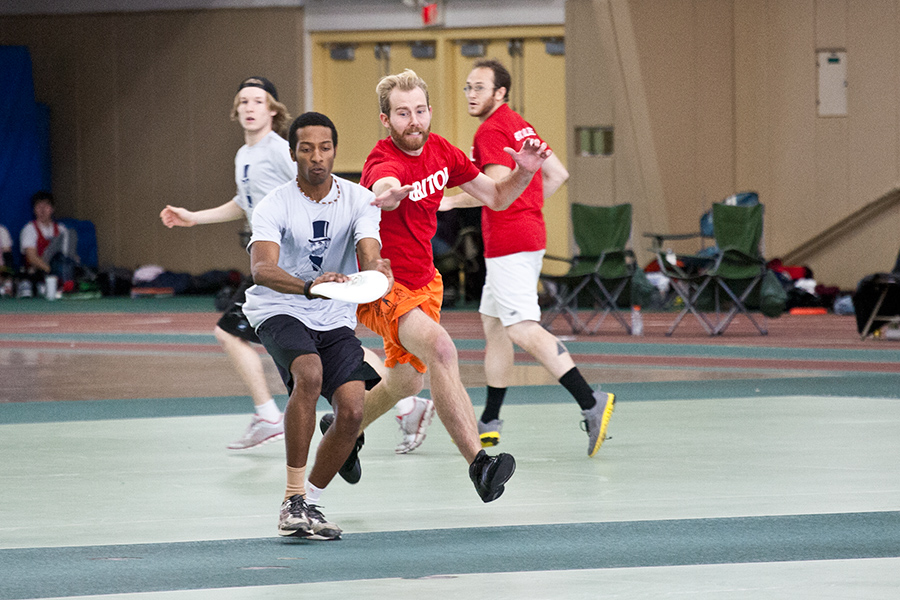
(492, 404)
(579, 388)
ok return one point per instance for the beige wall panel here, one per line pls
(714, 105)
(139, 118)
(589, 88)
(831, 23)
(686, 56)
(590, 102)
(95, 128)
(751, 69)
(664, 31)
(832, 175)
(730, 92)
(791, 69)
(872, 101)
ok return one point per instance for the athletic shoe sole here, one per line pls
(271, 438)
(604, 423)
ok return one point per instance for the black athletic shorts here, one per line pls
(233, 320)
(340, 351)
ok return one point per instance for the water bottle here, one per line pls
(637, 321)
(25, 290)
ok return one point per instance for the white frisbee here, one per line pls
(363, 287)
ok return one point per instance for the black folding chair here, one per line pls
(877, 301)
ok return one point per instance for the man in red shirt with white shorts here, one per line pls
(418, 165)
(514, 244)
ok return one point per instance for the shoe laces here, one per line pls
(314, 514)
(296, 506)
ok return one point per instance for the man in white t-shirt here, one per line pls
(260, 165)
(308, 231)
(46, 244)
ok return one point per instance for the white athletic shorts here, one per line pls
(510, 287)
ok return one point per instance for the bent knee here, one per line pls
(444, 351)
(348, 419)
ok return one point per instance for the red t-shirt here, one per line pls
(406, 231)
(519, 228)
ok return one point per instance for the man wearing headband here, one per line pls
(261, 164)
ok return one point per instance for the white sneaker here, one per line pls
(258, 433)
(413, 425)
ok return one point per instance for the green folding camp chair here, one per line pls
(729, 276)
(601, 271)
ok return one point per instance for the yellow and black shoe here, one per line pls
(490, 432)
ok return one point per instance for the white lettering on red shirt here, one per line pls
(431, 184)
(524, 133)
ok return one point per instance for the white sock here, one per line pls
(269, 412)
(406, 405)
(313, 493)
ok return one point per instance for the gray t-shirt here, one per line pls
(313, 238)
(260, 168)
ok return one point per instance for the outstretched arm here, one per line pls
(498, 195)
(389, 193)
(266, 272)
(175, 216)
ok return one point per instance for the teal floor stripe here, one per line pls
(75, 571)
(142, 408)
(184, 303)
(843, 385)
(600, 348)
(870, 385)
(114, 338)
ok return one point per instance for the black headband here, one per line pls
(261, 83)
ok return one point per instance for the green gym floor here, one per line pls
(740, 466)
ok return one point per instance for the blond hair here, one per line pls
(405, 81)
(279, 121)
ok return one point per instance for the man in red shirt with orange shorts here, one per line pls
(418, 165)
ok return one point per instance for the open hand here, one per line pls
(531, 156)
(390, 198)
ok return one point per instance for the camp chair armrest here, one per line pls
(659, 238)
(687, 266)
(611, 254)
(734, 252)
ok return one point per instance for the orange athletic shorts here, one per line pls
(383, 317)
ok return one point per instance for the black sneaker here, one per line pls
(489, 473)
(351, 471)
